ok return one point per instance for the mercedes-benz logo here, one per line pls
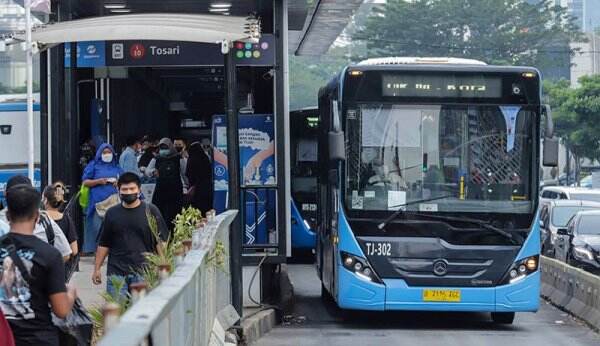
(440, 267)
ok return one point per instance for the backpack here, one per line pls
(45, 222)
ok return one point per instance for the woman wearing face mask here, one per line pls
(169, 169)
(100, 175)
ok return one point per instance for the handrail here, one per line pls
(182, 309)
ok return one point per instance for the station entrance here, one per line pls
(108, 90)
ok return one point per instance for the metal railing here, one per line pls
(187, 307)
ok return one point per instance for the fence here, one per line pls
(190, 307)
(572, 289)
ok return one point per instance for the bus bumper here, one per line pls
(359, 294)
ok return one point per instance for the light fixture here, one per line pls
(112, 6)
(220, 5)
(218, 10)
(120, 10)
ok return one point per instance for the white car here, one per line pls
(553, 193)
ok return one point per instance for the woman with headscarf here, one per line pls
(100, 176)
(199, 174)
(168, 168)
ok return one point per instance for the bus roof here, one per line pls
(417, 60)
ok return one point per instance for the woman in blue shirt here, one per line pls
(100, 175)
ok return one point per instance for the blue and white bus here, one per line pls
(305, 165)
(428, 186)
(13, 139)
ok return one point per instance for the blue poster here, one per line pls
(6, 174)
(220, 171)
(257, 169)
(257, 150)
(91, 54)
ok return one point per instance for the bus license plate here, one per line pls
(441, 296)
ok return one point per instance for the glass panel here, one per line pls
(593, 197)
(589, 224)
(562, 215)
(471, 158)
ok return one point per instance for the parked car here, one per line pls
(579, 243)
(555, 215)
(586, 182)
(551, 193)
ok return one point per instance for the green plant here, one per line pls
(123, 301)
(218, 256)
(164, 255)
(185, 223)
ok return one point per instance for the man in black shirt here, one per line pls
(26, 298)
(126, 235)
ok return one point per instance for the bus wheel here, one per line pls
(325, 295)
(503, 317)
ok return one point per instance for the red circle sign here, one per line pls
(137, 51)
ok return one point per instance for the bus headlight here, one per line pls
(360, 267)
(520, 269)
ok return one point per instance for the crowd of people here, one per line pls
(39, 242)
(180, 176)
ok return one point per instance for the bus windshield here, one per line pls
(479, 156)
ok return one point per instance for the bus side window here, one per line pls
(563, 196)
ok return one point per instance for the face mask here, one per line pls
(164, 152)
(129, 198)
(107, 158)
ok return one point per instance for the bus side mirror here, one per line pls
(550, 154)
(337, 152)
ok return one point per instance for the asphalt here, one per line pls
(314, 322)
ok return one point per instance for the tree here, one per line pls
(499, 32)
(308, 74)
(576, 116)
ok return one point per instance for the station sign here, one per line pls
(169, 53)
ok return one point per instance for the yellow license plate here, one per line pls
(441, 296)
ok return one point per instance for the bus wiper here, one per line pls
(401, 211)
(480, 223)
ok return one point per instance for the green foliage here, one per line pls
(123, 301)
(308, 74)
(575, 113)
(499, 32)
(218, 256)
(185, 223)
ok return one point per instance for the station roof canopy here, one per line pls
(325, 22)
(152, 26)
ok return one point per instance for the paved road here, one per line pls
(88, 292)
(325, 325)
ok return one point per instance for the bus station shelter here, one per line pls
(111, 69)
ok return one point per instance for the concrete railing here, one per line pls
(190, 307)
(572, 289)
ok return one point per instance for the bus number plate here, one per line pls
(441, 296)
(379, 249)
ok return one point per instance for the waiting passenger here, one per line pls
(168, 168)
(100, 175)
(199, 174)
(128, 160)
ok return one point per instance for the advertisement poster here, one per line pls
(6, 174)
(257, 169)
(220, 172)
(257, 150)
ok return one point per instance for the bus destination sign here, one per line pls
(445, 86)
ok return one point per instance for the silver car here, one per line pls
(555, 215)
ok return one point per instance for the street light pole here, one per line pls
(29, 62)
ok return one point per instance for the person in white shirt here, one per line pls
(45, 225)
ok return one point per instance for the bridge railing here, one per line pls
(190, 307)
(572, 289)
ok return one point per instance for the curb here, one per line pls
(257, 325)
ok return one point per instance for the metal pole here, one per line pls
(233, 201)
(29, 53)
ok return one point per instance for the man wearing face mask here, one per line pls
(126, 235)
